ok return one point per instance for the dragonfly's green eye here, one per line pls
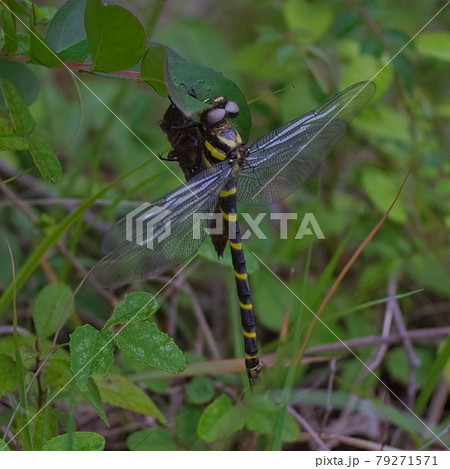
(232, 109)
(214, 116)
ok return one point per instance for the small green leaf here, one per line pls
(135, 306)
(152, 439)
(44, 426)
(429, 271)
(4, 446)
(200, 390)
(8, 375)
(45, 159)
(220, 420)
(20, 116)
(78, 441)
(382, 189)
(260, 415)
(434, 44)
(121, 392)
(66, 33)
(40, 51)
(116, 38)
(52, 308)
(186, 426)
(92, 395)
(152, 69)
(9, 32)
(146, 343)
(312, 19)
(91, 351)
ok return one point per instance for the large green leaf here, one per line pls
(190, 85)
(23, 78)
(144, 342)
(66, 33)
(91, 351)
(115, 37)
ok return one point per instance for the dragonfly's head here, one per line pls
(220, 109)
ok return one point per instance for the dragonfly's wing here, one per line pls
(157, 236)
(280, 161)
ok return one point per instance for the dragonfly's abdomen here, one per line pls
(228, 207)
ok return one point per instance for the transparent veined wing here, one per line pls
(158, 236)
(280, 161)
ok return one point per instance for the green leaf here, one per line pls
(396, 364)
(115, 37)
(438, 370)
(121, 392)
(146, 343)
(189, 85)
(186, 426)
(44, 426)
(8, 375)
(77, 441)
(382, 189)
(66, 33)
(92, 395)
(200, 390)
(52, 308)
(20, 116)
(260, 415)
(220, 420)
(434, 44)
(9, 32)
(40, 52)
(45, 159)
(91, 351)
(152, 439)
(4, 446)
(13, 142)
(429, 271)
(152, 69)
(135, 306)
(184, 79)
(23, 78)
(312, 19)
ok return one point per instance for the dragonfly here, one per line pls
(221, 169)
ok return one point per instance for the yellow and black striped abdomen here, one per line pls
(227, 203)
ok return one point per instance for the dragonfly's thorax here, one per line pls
(222, 141)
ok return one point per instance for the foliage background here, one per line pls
(266, 47)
